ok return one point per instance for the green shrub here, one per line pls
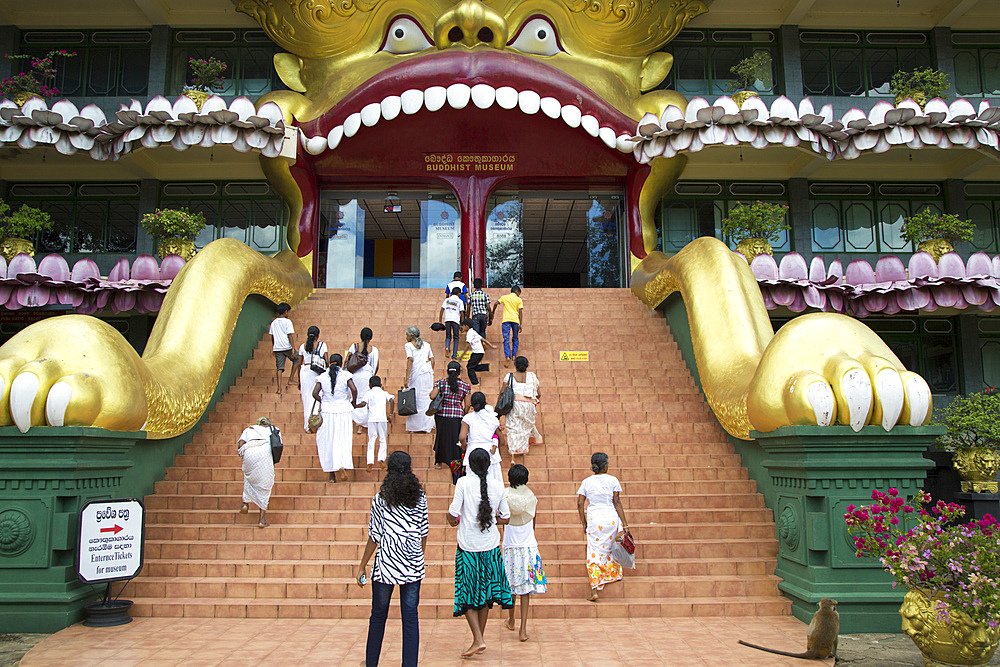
(207, 74)
(759, 220)
(928, 225)
(751, 70)
(972, 421)
(931, 82)
(169, 223)
(23, 223)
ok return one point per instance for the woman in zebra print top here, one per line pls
(397, 536)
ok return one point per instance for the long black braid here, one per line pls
(479, 462)
(366, 337)
(335, 361)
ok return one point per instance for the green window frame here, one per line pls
(248, 211)
(696, 208)
(989, 349)
(702, 59)
(858, 64)
(109, 63)
(864, 217)
(88, 217)
(926, 345)
(982, 206)
(977, 63)
(249, 55)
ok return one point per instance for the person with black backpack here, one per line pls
(255, 448)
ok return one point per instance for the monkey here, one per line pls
(821, 637)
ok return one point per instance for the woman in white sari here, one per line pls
(338, 396)
(603, 520)
(312, 363)
(258, 467)
(361, 376)
(420, 376)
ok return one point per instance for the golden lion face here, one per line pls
(609, 46)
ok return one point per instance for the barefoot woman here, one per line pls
(602, 522)
(480, 581)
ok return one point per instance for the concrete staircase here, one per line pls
(706, 542)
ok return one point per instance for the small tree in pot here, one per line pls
(919, 85)
(206, 78)
(747, 73)
(19, 227)
(936, 233)
(755, 226)
(973, 423)
(176, 230)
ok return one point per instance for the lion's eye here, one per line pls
(405, 36)
(537, 37)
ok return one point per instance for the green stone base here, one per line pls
(48, 474)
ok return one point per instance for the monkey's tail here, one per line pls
(808, 655)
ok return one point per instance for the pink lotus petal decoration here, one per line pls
(892, 286)
(139, 285)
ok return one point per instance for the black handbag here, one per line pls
(435, 404)
(406, 402)
(505, 401)
(276, 444)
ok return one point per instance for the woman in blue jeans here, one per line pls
(397, 536)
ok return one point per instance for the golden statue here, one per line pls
(819, 369)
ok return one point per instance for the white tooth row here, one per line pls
(458, 96)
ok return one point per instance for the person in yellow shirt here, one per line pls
(512, 323)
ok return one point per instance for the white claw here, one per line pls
(858, 394)
(56, 403)
(821, 398)
(23, 390)
(917, 393)
(889, 389)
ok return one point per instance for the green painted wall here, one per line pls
(48, 475)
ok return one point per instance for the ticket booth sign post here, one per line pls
(109, 549)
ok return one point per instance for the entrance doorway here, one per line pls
(555, 239)
(388, 239)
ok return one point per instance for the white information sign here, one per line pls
(111, 538)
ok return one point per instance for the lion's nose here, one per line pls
(470, 22)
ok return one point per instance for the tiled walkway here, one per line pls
(151, 642)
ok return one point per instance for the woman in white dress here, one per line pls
(337, 395)
(362, 375)
(478, 428)
(258, 467)
(520, 421)
(420, 376)
(312, 362)
(603, 520)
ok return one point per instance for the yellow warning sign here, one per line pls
(574, 355)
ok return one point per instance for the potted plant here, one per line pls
(973, 434)
(952, 571)
(747, 73)
(936, 233)
(919, 85)
(206, 76)
(35, 82)
(176, 230)
(18, 227)
(754, 226)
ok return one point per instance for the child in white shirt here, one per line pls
(452, 312)
(381, 406)
(283, 341)
(475, 343)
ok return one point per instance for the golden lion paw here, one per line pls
(824, 369)
(72, 370)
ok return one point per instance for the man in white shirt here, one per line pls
(282, 340)
(452, 312)
(475, 343)
(381, 406)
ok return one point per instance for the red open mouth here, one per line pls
(470, 80)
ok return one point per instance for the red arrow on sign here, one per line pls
(112, 529)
